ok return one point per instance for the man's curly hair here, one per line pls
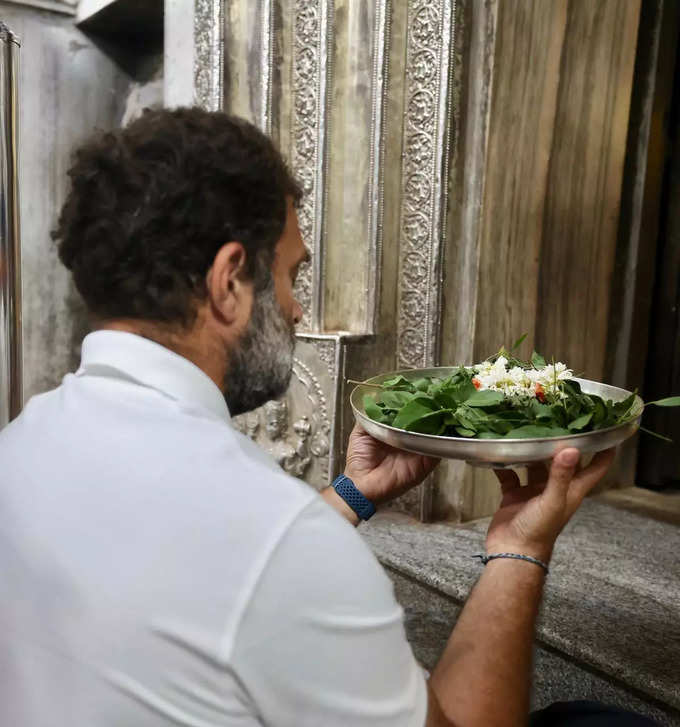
(150, 205)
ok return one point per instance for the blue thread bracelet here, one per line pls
(492, 556)
(361, 505)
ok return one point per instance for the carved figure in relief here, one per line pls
(295, 457)
(248, 424)
(303, 429)
(276, 427)
(252, 424)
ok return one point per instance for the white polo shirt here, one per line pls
(157, 568)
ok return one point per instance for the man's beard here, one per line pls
(261, 366)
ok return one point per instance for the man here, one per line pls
(156, 567)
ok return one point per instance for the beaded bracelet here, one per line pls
(492, 556)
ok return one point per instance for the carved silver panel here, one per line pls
(299, 429)
(266, 64)
(11, 359)
(311, 73)
(424, 180)
(209, 54)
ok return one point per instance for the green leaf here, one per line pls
(396, 399)
(398, 382)
(537, 360)
(623, 409)
(421, 384)
(669, 401)
(581, 423)
(465, 432)
(450, 419)
(485, 398)
(373, 410)
(471, 418)
(415, 409)
(518, 342)
(488, 435)
(445, 400)
(541, 411)
(571, 387)
(535, 431)
(461, 391)
(600, 411)
(428, 423)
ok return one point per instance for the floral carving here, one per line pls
(413, 305)
(208, 61)
(425, 26)
(416, 273)
(421, 109)
(418, 189)
(327, 350)
(307, 64)
(309, 46)
(412, 347)
(424, 67)
(424, 151)
(419, 149)
(416, 230)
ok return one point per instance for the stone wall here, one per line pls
(67, 88)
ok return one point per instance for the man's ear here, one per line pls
(226, 281)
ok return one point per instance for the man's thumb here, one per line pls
(562, 472)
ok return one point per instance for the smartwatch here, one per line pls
(361, 505)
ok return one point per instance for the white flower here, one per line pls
(518, 382)
(552, 374)
(519, 377)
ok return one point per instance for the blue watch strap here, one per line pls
(361, 505)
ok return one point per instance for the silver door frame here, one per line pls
(11, 385)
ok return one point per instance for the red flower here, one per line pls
(477, 383)
(540, 393)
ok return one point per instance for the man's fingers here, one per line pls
(562, 472)
(508, 479)
(587, 478)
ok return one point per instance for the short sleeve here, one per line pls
(322, 641)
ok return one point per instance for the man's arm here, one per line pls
(484, 675)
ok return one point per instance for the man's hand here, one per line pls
(530, 518)
(381, 472)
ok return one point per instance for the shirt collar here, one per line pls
(153, 365)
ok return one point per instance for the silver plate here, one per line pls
(497, 453)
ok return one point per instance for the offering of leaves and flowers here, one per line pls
(500, 398)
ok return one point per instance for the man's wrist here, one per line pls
(354, 497)
(338, 504)
(363, 484)
(540, 551)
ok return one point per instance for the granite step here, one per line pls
(610, 623)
